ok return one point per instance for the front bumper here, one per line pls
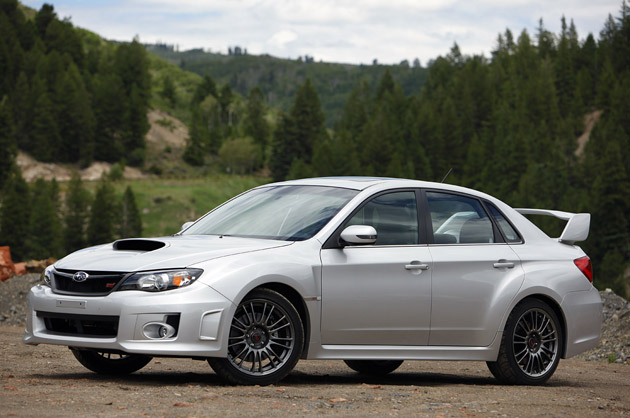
(202, 312)
(583, 312)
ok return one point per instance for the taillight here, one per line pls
(585, 266)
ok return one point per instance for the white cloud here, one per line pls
(332, 30)
(282, 38)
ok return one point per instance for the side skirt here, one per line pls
(394, 352)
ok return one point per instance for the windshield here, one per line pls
(290, 213)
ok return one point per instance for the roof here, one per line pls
(362, 183)
(355, 183)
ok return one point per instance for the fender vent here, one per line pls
(137, 245)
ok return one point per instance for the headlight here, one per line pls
(155, 281)
(46, 275)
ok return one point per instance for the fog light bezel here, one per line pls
(153, 331)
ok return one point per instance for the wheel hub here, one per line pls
(533, 341)
(257, 337)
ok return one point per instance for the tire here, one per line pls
(374, 367)
(265, 342)
(531, 345)
(110, 363)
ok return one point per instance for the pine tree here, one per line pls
(137, 127)
(285, 148)
(131, 64)
(545, 40)
(356, 110)
(76, 206)
(75, 119)
(204, 89)
(197, 137)
(298, 133)
(225, 101)
(44, 16)
(60, 36)
(44, 134)
(168, 90)
(336, 157)
(14, 215)
(110, 105)
(44, 230)
(21, 108)
(386, 85)
(8, 145)
(308, 119)
(130, 221)
(611, 206)
(101, 227)
(255, 124)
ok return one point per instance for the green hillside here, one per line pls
(278, 78)
(507, 124)
(165, 204)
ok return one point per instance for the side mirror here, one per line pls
(359, 235)
(186, 225)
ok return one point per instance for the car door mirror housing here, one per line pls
(186, 225)
(358, 235)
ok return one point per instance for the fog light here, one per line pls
(163, 331)
(158, 330)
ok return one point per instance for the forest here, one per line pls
(279, 78)
(542, 122)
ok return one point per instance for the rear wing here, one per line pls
(577, 226)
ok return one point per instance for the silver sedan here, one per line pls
(372, 271)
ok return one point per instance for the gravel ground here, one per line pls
(47, 380)
(615, 343)
(13, 299)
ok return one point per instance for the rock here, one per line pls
(37, 266)
(615, 336)
(19, 268)
(6, 264)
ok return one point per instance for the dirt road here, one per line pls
(47, 381)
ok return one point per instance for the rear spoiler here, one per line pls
(577, 226)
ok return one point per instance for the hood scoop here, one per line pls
(138, 245)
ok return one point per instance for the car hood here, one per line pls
(161, 253)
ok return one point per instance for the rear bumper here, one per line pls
(583, 313)
(202, 312)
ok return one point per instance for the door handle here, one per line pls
(416, 267)
(503, 264)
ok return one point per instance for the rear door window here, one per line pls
(506, 228)
(457, 219)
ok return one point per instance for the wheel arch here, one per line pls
(553, 304)
(297, 301)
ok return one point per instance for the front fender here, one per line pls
(297, 266)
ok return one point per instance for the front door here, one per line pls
(379, 294)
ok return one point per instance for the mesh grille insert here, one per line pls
(98, 283)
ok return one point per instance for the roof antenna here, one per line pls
(449, 172)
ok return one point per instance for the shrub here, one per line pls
(240, 155)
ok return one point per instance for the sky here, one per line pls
(346, 31)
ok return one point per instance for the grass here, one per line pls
(165, 204)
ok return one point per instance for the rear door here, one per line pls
(476, 273)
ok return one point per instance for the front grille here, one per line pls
(98, 283)
(96, 326)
